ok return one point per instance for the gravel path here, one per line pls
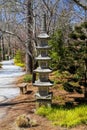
(8, 89)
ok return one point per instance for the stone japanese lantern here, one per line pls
(43, 96)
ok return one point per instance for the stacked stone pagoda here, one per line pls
(43, 96)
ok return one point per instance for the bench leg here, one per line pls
(21, 90)
(24, 91)
(25, 88)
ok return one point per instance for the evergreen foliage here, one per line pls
(71, 58)
(57, 51)
(78, 48)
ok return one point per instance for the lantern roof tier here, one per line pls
(43, 36)
(43, 47)
(40, 58)
(42, 84)
(41, 70)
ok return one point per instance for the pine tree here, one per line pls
(78, 49)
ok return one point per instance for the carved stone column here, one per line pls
(43, 96)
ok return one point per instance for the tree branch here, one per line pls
(23, 42)
(80, 4)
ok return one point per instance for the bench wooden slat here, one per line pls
(23, 88)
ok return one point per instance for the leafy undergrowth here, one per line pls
(64, 116)
(19, 58)
(27, 78)
(20, 64)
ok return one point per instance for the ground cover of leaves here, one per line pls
(25, 104)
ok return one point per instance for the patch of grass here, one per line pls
(27, 78)
(20, 64)
(64, 116)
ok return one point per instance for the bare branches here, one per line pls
(19, 38)
(46, 5)
(80, 4)
(51, 7)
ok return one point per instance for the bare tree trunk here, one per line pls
(3, 49)
(9, 48)
(29, 47)
(29, 61)
(0, 50)
(86, 71)
(9, 44)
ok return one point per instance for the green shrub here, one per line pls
(27, 78)
(63, 116)
(82, 36)
(68, 87)
(20, 64)
(78, 29)
(19, 58)
(84, 24)
(73, 35)
(57, 51)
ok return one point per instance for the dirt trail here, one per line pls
(8, 90)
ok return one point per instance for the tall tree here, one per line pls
(78, 47)
(29, 46)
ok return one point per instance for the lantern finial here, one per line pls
(43, 24)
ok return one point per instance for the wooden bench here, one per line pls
(23, 88)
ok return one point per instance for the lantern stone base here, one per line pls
(43, 102)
